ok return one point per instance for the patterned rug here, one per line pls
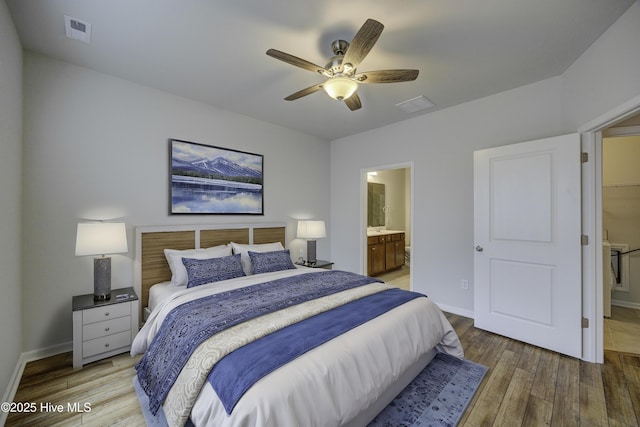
(438, 396)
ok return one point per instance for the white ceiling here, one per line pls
(214, 51)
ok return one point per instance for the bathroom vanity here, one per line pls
(385, 251)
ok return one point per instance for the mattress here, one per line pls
(344, 381)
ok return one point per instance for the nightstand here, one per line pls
(103, 328)
(319, 264)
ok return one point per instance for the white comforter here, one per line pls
(330, 385)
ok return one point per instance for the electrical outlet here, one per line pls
(464, 283)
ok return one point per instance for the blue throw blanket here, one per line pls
(192, 323)
(235, 373)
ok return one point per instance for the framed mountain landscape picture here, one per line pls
(214, 180)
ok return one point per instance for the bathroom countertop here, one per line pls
(382, 232)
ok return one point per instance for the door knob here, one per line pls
(479, 248)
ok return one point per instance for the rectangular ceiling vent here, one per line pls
(416, 104)
(77, 30)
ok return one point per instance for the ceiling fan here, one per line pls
(342, 80)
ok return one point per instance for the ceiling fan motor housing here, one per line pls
(335, 65)
(339, 47)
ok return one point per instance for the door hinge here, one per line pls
(585, 323)
(584, 240)
(584, 157)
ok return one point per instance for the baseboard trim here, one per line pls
(32, 355)
(626, 304)
(12, 387)
(456, 310)
(25, 358)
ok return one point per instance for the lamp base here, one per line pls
(102, 278)
(311, 252)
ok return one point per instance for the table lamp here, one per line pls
(100, 239)
(311, 230)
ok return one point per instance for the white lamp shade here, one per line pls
(311, 230)
(101, 238)
(340, 88)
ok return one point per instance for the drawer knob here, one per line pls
(106, 329)
(106, 345)
(106, 314)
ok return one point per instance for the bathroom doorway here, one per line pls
(388, 220)
(621, 231)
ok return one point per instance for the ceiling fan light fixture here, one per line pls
(340, 88)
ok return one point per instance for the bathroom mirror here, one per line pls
(375, 205)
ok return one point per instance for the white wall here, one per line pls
(621, 161)
(96, 146)
(10, 194)
(605, 76)
(441, 145)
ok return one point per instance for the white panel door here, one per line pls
(527, 263)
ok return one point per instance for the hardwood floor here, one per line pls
(105, 385)
(530, 386)
(525, 386)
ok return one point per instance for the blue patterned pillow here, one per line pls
(201, 271)
(266, 262)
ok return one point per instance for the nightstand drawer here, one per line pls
(107, 327)
(104, 344)
(99, 314)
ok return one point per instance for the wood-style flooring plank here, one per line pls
(544, 384)
(566, 403)
(537, 413)
(106, 386)
(491, 398)
(617, 397)
(593, 408)
(515, 398)
(632, 375)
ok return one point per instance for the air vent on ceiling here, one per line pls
(76, 29)
(415, 104)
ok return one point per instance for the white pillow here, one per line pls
(243, 250)
(178, 270)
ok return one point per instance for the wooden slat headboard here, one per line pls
(151, 265)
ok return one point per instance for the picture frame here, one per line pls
(205, 179)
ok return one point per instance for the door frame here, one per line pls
(363, 210)
(592, 295)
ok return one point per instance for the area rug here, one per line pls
(438, 396)
(157, 420)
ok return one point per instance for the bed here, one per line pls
(336, 350)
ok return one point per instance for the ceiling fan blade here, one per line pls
(294, 60)
(304, 92)
(353, 102)
(362, 42)
(387, 76)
